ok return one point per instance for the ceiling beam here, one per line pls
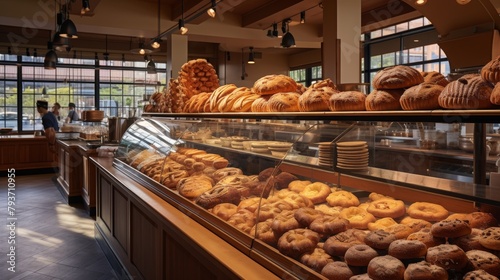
(190, 7)
(275, 11)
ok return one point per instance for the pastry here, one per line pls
(283, 102)
(379, 239)
(358, 217)
(317, 259)
(426, 237)
(479, 275)
(327, 225)
(243, 220)
(387, 207)
(218, 195)
(296, 242)
(317, 192)
(490, 238)
(342, 198)
(427, 211)
(447, 256)
(224, 210)
(425, 271)
(284, 222)
(316, 99)
(347, 101)
(359, 255)
(385, 267)
(421, 97)
(338, 244)
(396, 77)
(337, 271)
(435, 78)
(468, 92)
(384, 100)
(484, 260)
(407, 249)
(264, 232)
(491, 71)
(451, 228)
(306, 216)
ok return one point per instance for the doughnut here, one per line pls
(342, 198)
(470, 241)
(490, 238)
(387, 207)
(284, 222)
(483, 260)
(316, 192)
(316, 260)
(451, 228)
(218, 195)
(337, 271)
(425, 271)
(407, 249)
(282, 180)
(385, 267)
(338, 244)
(425, 236)
(325, 209)
(427, 211)
(296, 242)
(379, 239)
(376, 196)
(415, 224)
(358, 218)
(243, 220)
(269, 209)
(327, 225)
(459, 216)
(267, 173)
(251, 203)
(297, 201)
(306, 215)
(447, 256)
(359, 255)
(170, 179)
(263, 231)
(298, 185)
(224, 210)
(399, 230)
(381, 223)
(224, 172)
(479, 275)
(193, 186)
(482, 220)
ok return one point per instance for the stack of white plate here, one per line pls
(325, 154)
(352, 155)
(279, 149)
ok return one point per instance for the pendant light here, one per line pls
(157, 41)
(50, 59)
(151, 67)
(303, 17)
(68, 27)
(251, 56)
(182, 28)
(211, 11)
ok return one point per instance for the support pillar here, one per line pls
(177, 54)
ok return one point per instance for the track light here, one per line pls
(211, 10)
(182, 28)
(50, 60)
(68, 30)
(251, 56)
(9, 50)
(59, 42)
(85, 6)
(463, 2)
(156, 43)
(303, 17)
(275, 30)
(420, 2)
(151, 67)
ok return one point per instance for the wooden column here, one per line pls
(177, 54)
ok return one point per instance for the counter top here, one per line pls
(75, 143)
(9, 137)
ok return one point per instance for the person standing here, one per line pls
(49, 122)
(72, 115)
(55, 110)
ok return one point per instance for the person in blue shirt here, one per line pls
(49, 121)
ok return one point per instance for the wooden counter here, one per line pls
(154, 240)
(23, 152)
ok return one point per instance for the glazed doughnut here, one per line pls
(425, 271)
(218, 195)
(484, 260)
(284, 222)
(327, 225)
(224, 210)
(399, 230)
(358, 218)
(407, 249)
(482, 220)
(269, 209)
(325, 209)
(387, 207)
(379, 239)
(415, 224)
(447, 256)
(479, 275)
(381, 224)
(296, 242)
(425, 236)
(306, 215)
(359, 255)
(337, 271)
(316, 260)
(224, 172)
(427, 211)
(263, 231)
(193, 186)
(251, 203)
(385, 267)
(490, 238)
(298, 185)
(297, 201)
(451, 228)
(282, 180)
(338, 244)
(243, 220)
(316, 192)
(470, 241)
(342, 198)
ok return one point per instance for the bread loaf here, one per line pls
(347, 101)
(396, 77)
(316, 99)
(435, 78)
(421, 97)
(380, 100)
(491, 71)
(468, 92)
(283, 102)
(271, 84)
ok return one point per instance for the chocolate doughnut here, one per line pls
(425, 271)
(447, 256)
(386, 267)
(359, 255)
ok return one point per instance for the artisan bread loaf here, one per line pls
(271, 84)
(421, 97)
(491, 71)
(316, 99)
(396, 77)
(435, 78)
(468, 92)
(283, 102)
(380, 100)
(347, 101)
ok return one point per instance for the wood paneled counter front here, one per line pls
(25, 152)
(154, 240)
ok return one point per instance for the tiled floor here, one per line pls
(53, 240)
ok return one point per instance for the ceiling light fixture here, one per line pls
(182, 28)
(463, 2)
(50, 60)
(151, 67)
(28, 52)
(251, 56)
(420, 2)
(85, 7)
(303, 17)
(157, 41)
(68, 27)
(288, 40)
(35, 54)
(211, 10)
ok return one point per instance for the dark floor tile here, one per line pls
(57, 270)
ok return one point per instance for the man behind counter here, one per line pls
(49, 121)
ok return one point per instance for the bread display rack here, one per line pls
(162, 134)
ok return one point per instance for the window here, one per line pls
(121, 88)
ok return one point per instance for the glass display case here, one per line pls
(419, 158)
